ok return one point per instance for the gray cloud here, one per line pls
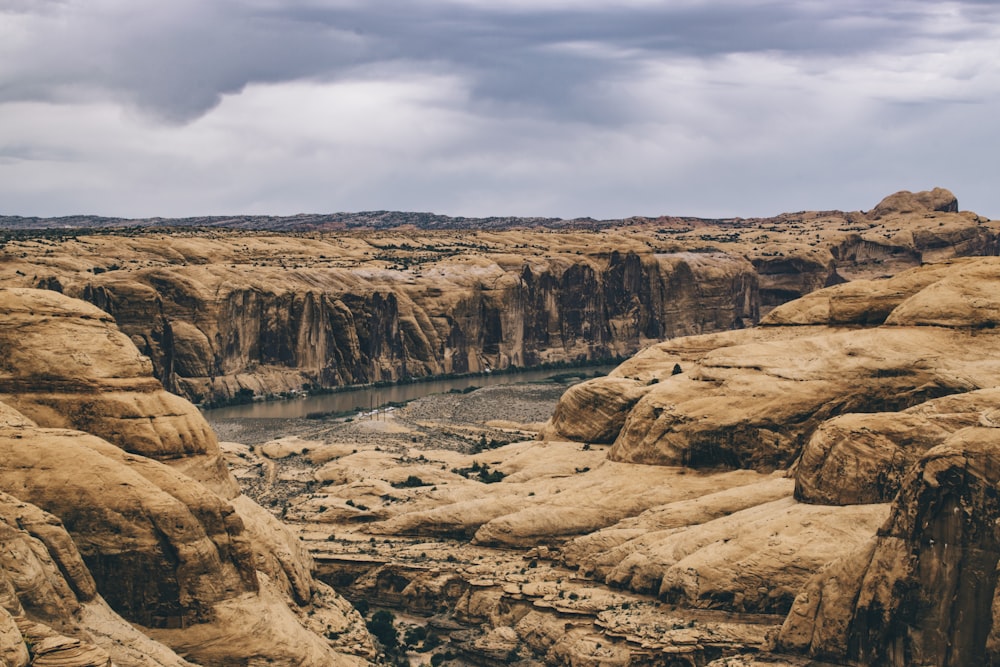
(544, 107)
(176, 59)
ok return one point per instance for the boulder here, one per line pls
(906, 202)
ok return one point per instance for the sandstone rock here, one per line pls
(862, 458)
(254, 627)
(964, 297)
(13, 650)
(130, 516)
(597, 553)
(792, 272)
(864, 302)
(43, 576)
(595, 411)
(30, 575)
(753, 398)
(922, 592)
(753, 405)
(70, 367)
(258, 313)
(220, 331)
(67, 652)
(905, 201)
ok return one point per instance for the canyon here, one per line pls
(796, 464)
(229, 313)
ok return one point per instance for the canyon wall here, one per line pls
(228, 314)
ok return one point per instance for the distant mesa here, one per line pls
(903, 202)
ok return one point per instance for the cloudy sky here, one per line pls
(559, 108)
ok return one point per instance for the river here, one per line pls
(363, 399)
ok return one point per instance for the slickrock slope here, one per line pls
(811, 390)
(753, 398)
(225, 314)
(164, 549)
(923, 591)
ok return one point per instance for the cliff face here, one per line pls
(923, 590)
(214, 330)
(223, 313)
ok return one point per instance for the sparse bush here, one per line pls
(410, 482)
(382, 626)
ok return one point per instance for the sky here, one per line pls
(556, 108)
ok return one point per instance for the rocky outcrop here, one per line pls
(871, 392)
(863, 458)
(66, 365)
(922, 592)
(164, 549)
(905, 202)
(50, 610)
(754, 398)
(226, 315)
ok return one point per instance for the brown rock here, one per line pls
(70, 367)
(905, 201)
(68, 652)
(225, 314)
(595, 411)
(13, 650)
(862, 458)
(752, 398)
(164, 549)
(864, 302)
(30, 575)
(923, 591)
(130, 516)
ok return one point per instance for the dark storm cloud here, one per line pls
(176, 60)
(483, 107)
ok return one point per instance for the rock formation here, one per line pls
(922, 591)
(753, 398)
(139, 495)
(833, 468)
(226, 315)
(901, 410)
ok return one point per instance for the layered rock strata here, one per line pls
(923, 590)
(870, 393)
(154, 522)
(226, 314)
(754, 398)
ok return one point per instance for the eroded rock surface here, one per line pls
(873, 401)
(163, 548)
(753, 398)
(232, 314)
(922, 591)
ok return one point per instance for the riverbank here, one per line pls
(400, 512)
(365, 399)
